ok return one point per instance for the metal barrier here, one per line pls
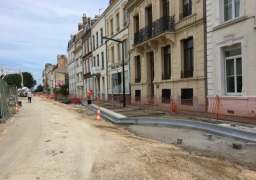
(8, 100)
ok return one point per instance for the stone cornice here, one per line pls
(131, 5)
(234, 21)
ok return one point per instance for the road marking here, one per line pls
(11, 119)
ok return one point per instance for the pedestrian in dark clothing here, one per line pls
(30, 95)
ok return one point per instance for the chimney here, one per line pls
(96, 16)
(80, 26)
(84, 19)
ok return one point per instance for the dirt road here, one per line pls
(49, 140)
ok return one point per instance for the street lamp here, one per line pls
(104, 37)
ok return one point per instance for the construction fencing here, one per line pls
(8, 100)
(235, 109)
(223, 108)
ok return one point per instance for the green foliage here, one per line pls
(64, 88)
(28, 80)
(15, 79)
(39, 88)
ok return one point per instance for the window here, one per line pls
(187, 8)
(125, 17)
(111, 27)
(113, 54)
(119, 53)
(93, 41)
(97, 40)
(233, 68)
(188, 58)
(149, 21)
(137, 25)
(90, 44)
(231, 9)
(187, 97)
(117, 22)
(126, 48)
(137, 95)
(165, 7)
(94, 63)
(167, 63)
(101, 35)
(149, 13)
(137, 69)
(102, 59)
(98, 60)
(166, 96)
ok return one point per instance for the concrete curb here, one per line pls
(222, 130)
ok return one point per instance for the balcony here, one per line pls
(157, 27)
(186, 74)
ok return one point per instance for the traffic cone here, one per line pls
(98, 114)
(17, 107)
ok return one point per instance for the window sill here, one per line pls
(230, 22)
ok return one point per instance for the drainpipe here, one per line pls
(205, 55)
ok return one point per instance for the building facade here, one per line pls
(231, 65)
(117, 28)
(99, 73)
(71, 65)
(88, 63)
(48, 80)
(167, 49)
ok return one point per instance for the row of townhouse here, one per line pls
(198, 52)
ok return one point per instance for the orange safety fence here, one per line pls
(233, 109)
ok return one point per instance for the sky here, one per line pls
(34, 32)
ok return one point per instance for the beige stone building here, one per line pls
(167, 51)
(231, 64)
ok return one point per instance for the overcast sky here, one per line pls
(34, 32)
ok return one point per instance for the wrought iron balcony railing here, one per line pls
(166, 76)
(186, 74)
(157, 27)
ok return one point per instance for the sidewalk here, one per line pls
(132, 115)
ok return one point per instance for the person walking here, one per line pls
(30, 95)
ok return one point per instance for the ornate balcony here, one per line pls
(157, 27)
(186, 74)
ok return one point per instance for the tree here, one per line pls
(15, 79)
(28, 80)
(39, 88)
